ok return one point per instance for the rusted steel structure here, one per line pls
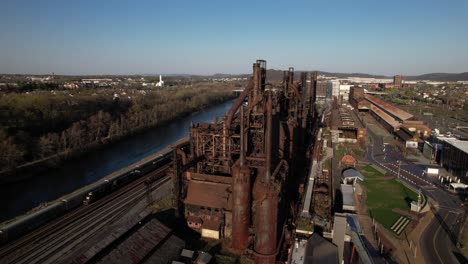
(237, 178)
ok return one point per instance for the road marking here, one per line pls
(396, 222)
(400, 225)
(405, 223)
(433, 241)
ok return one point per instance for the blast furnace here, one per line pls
(237, 179)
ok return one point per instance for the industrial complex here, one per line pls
(279, 178)
(238, 179)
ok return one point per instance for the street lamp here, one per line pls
(399, 167)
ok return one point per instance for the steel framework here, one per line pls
(255, 150)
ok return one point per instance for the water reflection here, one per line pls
(19, 197)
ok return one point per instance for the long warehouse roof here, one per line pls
(395, 111)
(386, 117)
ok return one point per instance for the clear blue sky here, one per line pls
(205, 37)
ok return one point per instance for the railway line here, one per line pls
(48, 243)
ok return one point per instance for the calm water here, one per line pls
(19, 197)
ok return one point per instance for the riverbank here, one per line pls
(41, 125)
(22, 196)
(25, 171)
(112, 175)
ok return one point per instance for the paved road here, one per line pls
(387, 157)
(438, 241)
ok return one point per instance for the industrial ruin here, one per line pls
(238, 178)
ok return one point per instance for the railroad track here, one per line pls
(51, 241)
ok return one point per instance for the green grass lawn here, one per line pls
(384, 195)
(340, 151)
(352, 149)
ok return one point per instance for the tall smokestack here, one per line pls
(314, 86)
(241, 197)
(291, 76)
(268, 140)
(266, 201)
(285, 81)
(256, 81)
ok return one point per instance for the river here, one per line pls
(19, 197)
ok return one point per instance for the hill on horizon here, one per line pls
(277, 75)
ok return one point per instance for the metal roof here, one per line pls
(339, 231)
(348, 159)
(320, 250)
(458, 185)
(354, 224)
(386, 117)
(208, 194)
(361, 248)
(211, 224)
(395, 111)
(344, 117)
(310, 187)
(403, 134)
(460, 144)
(348, 195)
(352, 173)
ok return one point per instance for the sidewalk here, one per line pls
(405, 245)
(402, 249)
(400, 246)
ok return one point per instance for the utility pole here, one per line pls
(399, 167)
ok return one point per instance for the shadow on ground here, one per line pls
(461, 259)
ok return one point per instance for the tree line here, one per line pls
(35, 127)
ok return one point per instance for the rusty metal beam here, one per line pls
(247, 147)
(238, 102)
(295, 90)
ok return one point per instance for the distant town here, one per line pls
(25, 83)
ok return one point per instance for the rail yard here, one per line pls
(57, 239)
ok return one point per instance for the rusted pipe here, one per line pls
(265, 220)
(285, 82)
(256, 81)
(242, 139)
(314, 86)
(282, 163)
(278, 246)
(238, 102)
(268, 139)
(183, 155)
(293, 87)
(292, 125)
(224, 139)
(241, 196)
(241, 206)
